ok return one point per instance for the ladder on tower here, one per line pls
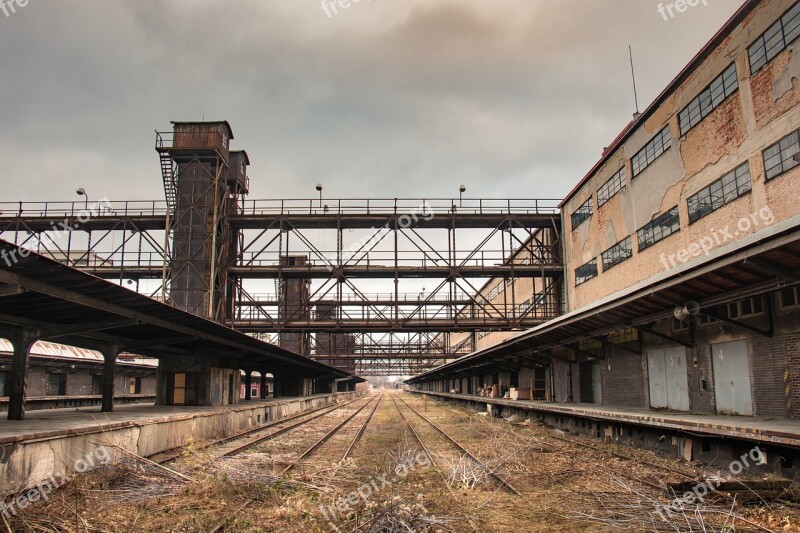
(170, 188)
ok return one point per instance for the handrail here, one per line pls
(419, 208)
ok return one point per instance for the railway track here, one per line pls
(312, 414)
(221, 526)
(332, 432)
(361, 430)
(258, 439)
(494, 475)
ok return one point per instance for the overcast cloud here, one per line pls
(514, 98)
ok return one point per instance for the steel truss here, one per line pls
(389, 280)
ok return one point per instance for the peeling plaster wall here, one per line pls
(764, 109)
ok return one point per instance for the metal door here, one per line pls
(657, 376)
(732, 378)
(597, 387)
(669, 386)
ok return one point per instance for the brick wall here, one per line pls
(625, 384)
(768, 364)
(793, 373)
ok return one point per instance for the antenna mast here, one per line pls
(633, 77)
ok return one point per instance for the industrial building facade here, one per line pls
(680, 248)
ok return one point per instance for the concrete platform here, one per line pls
(56, 441)
(770, 430)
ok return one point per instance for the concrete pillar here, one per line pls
(109, 363)
(277, 383)
(248, 383)
(263, 390)
(19, 374)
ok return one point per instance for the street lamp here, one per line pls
(461, 190)
(319, 190)
(82, 192)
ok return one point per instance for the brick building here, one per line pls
(66, 376)
(680, 247)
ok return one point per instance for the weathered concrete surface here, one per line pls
(58, 443)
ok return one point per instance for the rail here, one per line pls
(420, 207)
(87, 209)
(413, 207)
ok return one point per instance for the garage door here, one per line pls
(669, 386)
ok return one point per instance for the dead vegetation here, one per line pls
(566, 487)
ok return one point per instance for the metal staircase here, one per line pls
(170, 188)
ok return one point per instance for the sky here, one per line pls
(381, 99)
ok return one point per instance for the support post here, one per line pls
(109, 365)
(263, 390)
(248, 384)
(19, 373)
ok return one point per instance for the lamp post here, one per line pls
(461, 190)
(319, 190)
(82, 192)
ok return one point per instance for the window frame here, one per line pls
(695, 111)
(615, 183)
(650, 152)
(719, 193)
(780, 148)
(674, 228)
(619, 257)
(773, 40)
(584, 212)
(583, 278)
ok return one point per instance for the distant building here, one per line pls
(65, 376)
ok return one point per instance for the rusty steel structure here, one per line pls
(375, 286)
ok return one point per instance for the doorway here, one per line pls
(732, 378)
(669, 386)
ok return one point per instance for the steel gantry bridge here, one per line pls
(375, 286)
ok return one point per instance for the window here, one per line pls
(586, 272)
(651, 151)
(709, 98)
(660, 228)
(617, 253)
(56, 384)
(607, 191)
(495, 292)
(582, 213)
(706, 320)
(779, 157)
(751, 307)
(5, 384)
(679, 325)
(728, 188)
(253, 392)
(622, 336)
(774, 40)
(790, 297)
